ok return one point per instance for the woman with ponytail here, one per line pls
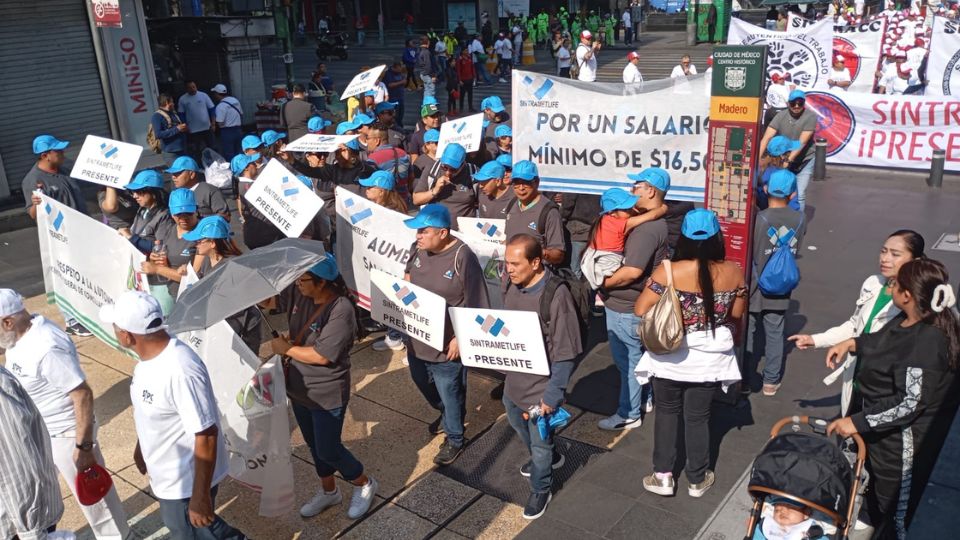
(908, 392)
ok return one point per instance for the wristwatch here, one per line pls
(86, 447)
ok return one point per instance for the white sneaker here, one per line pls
(388, 344)
(648, 407)
(502, 80)
(617, 423)
(362, 498)
(320, 502)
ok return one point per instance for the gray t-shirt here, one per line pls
(456, 275)
(147, 222)
(210, 201)
(58, 187)
(562, 338)
(458, 196)
(644, 248)
(527, 220)
(179, 251)
(786, 223)
(791, 128)
(496, 208)
(126, 210)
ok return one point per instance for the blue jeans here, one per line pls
(321, 429)
(773, 323)
(576, 251)
(176, 517)
(541, 451)
(626, 349)
(444, 385)
(481, 68)
(230, 141)
(803, 180)
(361, 35)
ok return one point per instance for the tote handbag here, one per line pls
(661, 329)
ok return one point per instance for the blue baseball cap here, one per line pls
(432, 135)
(700, 224)
(453, 155)
(46, 143)
(506, 160)
(353, 144)
(385, 106)
(270, 137)
(344, 127)
(780, 145)
(430, 215)
(305, 181)
(782, 184)
(317, 123)
(213, 227)
(617, 199)
(489, 171)
(251, 142)
(503, 131)
(183, 163)
(326, 269)
(524, 171)
(362, 119)
(797, 94)
(147, 178)
(370, 93)
(494, 103)
(182, 201)
(429, 100)
(241, 161)
(380, 179)
(655, 176)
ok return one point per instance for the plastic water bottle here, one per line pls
(159, 249)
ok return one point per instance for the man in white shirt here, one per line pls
(683, 69)
(587, 57)
(229, 117)
(627, 27)
(179, 442)
(904, 79)
(631, 72)
(476, 50)
(197, 110)
(44, 360)
(839, 74)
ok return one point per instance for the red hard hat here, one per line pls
(93, 484)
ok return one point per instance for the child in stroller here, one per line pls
(786, 519)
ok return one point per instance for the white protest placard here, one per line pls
(316, 142)
(282, 198)
(403, 306)
(85, 264)
(467, 132)
(363, 82)
(500, 339)
(106, 162)
(490, 255)
(486, 230)
(805, 53)
(369, 236)
(943, 65)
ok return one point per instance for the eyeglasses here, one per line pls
(797, 103)
(684, 63)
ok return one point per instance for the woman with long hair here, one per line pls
(713, 297)
(147, 190)
(907, 392)
(874, 308)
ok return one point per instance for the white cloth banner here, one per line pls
(943, 65)
(887, 131)
(586, 137)
(468, 132)
(76, 279)
(315, 142)
(490, 256)
(106, 162)
(287, 202)
(403, 306)
(500, 339)
(860, 45)
(804, 53)
(369, 236)
(363, 82)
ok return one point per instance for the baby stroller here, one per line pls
(810, 469)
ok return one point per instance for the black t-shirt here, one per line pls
(644, 248)
(58, 187)
(459, 196)
(179, 251)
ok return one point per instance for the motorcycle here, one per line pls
(332, 44)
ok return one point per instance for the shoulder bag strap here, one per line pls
(669, 269)
(306, 326)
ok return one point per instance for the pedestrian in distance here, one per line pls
(631, 72)
(426, 72)
(684, 69)
(797, 123)
(586, 57)
(198, 111)
(563, 59)
(229, 119)
(169, 130)
(467, 74)
(295, 113)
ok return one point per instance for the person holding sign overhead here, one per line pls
(444, 265)
(448, 183)
(532, 287)
(533, 213)
(209, 199)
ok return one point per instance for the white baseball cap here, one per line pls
(219, 89)
(586, 34)
(10, 302)
(134, 311)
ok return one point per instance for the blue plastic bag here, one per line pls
(549, 423)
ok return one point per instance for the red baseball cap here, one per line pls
(586, 34)
(632, 55)
(776, 77)
(92, 485)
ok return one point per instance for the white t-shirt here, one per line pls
(631, 74)
(839, 76)
(588, 66)
(476, 48)
(678, 71)
(777, 95)
(195, 111)
(626, 18)
(382, 93)
(441, 48)
(228, 116)
(915, 55)
(45, 362)
(172, 402)
(563, 58)
(498, 46)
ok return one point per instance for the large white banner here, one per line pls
(860, 45)
(85, 264)
(369, 236)
(500, 339)
(403, 306)
(943, 65)
(887, 131)
(586, 137)
(804, 53)
(283, 199)
(106, 162)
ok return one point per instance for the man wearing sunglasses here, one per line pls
(796, 123)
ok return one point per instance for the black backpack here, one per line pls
(579, 290)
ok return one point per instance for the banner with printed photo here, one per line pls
(860, 45)
(887, 131)
(106, 162)
(282, 198)
(500, 339)
(403, 306)
(369, 236)
(804, 53)
(76, 280)
(943, 65)
(586, 137)
(490, 256)
(316, 142)
(467, 132)
(363, 82)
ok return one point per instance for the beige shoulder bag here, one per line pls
(661, 329)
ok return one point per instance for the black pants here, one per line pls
(691, 402)
(466, 89)
(197, 142)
